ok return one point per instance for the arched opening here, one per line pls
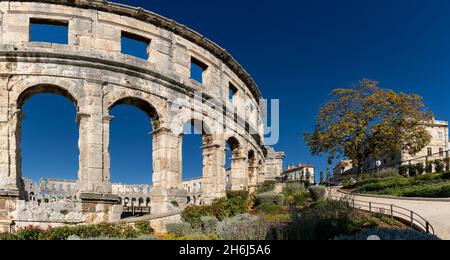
(141, 202)
(252, 168)
(147, 202)
(126, 201)
(232, 152)
(47, 136)
(131, 141)
(193, 139)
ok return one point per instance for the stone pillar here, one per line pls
(166, 170)
(239, 180)
(252, 175)
(10, 156)
(106, 153)
(213, 169)
(93, 180)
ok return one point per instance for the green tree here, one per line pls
(368, 120)
(328, 178)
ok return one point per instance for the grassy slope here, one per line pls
(428, 185)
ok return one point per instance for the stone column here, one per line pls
(166, 170)
(93, 180)
(106, 153)
(11, 185)
(239, 179)
(252, 176)
(213, 169)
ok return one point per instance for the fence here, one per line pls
(402, 214)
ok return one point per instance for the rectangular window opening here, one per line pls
(197, 70)
(52, 31)
(232, 92)
(135, 45)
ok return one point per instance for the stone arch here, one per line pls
(154, 107)
(70, 88)
(201, 128)
(147, 201)
(140, 202)
(23, 92)
(234, 144)
(238, 179)
(252, 168)
(143, 105)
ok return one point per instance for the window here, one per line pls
(441, 152)
(232, 92)
(440, 135)
(430, 151)
(197, 70)
(52, 31)
(135, 45)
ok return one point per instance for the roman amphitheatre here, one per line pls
(92, 71)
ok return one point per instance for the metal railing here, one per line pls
(403, 214)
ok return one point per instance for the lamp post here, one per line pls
(378, 163)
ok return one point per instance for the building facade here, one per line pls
(437, 149)
(303, 172)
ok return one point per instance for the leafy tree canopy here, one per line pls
(370, 121)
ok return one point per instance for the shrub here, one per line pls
(295, 195)
(439, 165)
(30, 233)
(322, 221)
(447, 164)
(243, 227)
(429, 167)
(117, 231)
(234, 204)
(193, 215)
(240, 199)
(403, 170)
(293, 187)
(446, 176)
(209, 224)
(420, 169)
(179, 229)
(383, 184)
(266, 186)
(317, 192)
(144, 228)
(383, 174)
(270, 197)
(269, 207)
(429, 192)
(389, 234)
(412, 170)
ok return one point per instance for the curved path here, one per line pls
(436, 212)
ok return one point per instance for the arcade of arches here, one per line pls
(96, 76)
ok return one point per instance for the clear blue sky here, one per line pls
(297, 51)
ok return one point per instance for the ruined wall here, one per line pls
(92, 71)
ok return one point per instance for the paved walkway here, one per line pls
(436, 212)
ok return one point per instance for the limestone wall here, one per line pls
(92, 71)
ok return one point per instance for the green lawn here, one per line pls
(426, 186)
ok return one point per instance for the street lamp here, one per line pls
(378, 163)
